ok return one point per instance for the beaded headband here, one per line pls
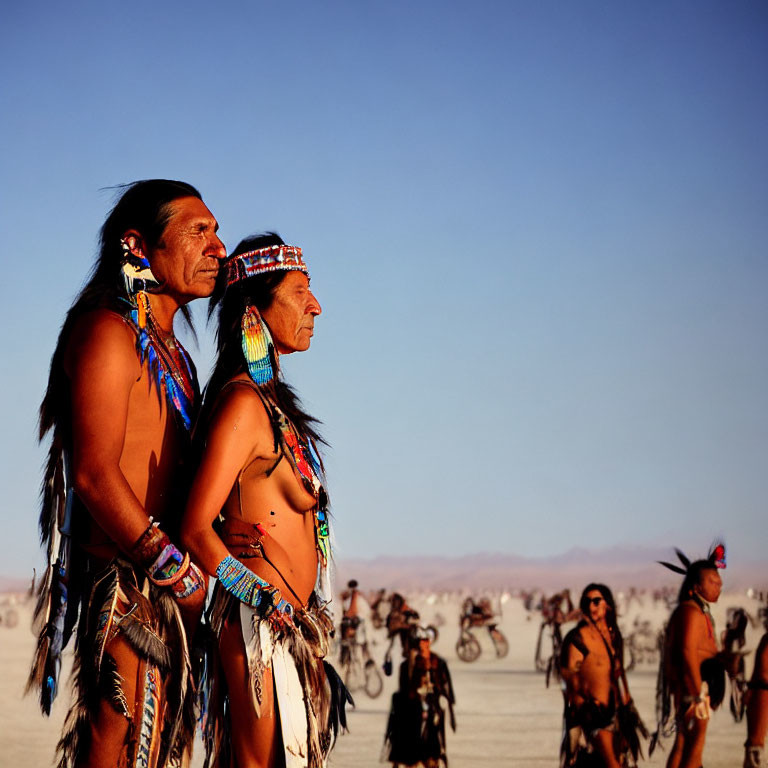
(273, 258)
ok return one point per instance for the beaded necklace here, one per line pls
(168, 361)
(305, 459)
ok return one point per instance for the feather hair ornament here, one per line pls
(675, 568)
(717, 555)
(257, 346)
(137, 273)
(683, 559)
(172, 376)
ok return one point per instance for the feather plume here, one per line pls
(111, 686)
(675, 568)
(111, 583)
(717, 554)
(683, 559)
(340, 697)
(146, 642)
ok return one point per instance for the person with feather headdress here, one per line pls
(258, 521)
(692, 670)
(122, 395)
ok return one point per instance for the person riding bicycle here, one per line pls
(350, 617)
(477, 614)
(375, 601)
(553, 610)
(400, 621)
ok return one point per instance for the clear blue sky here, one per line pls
(538, 231)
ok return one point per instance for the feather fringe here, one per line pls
(111, 686)
(146, 642)
(151, 623)
(324, 696)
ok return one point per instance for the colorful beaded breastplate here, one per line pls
(305, 459)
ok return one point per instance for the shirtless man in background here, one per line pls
(350, 617)
(121, 398)
(257, 520)
(757, 703)
(693, 670)
(595, 684)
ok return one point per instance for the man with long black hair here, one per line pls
(121, 399)
(601, 723)
(692, 671)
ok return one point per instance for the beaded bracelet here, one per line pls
(164, 563)
(251, 589)
(188, 582)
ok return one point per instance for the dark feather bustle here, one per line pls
(340, 697)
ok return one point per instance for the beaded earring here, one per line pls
(257, 346)
(137, 273)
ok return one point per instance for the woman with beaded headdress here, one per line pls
(691, 670)
(121, 398)
(257, 520)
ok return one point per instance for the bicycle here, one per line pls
(358, 669)
(550, 665)
(468, 647)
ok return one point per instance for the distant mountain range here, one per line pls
(619, 567)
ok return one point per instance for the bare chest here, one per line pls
(155, 448)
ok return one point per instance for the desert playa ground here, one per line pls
(505, 714)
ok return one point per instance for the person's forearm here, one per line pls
(165, 565)
(111, 502)
(251, 589)
(205, 546)
(209, 550)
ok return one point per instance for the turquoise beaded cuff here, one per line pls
(250, 589)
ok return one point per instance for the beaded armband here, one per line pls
(250, 589)
(165, 565)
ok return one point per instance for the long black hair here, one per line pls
(610, 615)
(145, 206)
(229, 303)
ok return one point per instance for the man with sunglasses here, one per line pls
(597, 700)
